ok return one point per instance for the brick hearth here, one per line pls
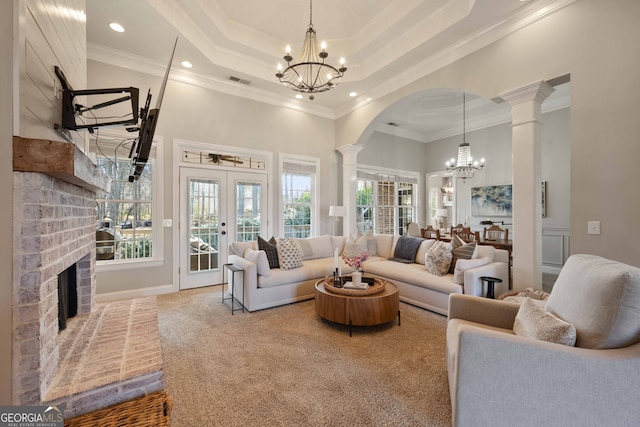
(108, 356)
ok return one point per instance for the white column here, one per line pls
(526, 143)
(349, 169)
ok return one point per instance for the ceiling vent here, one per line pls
(239, 80)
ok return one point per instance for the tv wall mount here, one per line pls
(71, 110)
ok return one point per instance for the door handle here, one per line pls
(223, 232)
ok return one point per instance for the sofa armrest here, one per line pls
(533, 382)
(474, 286)
(250, 271)
(490, 312)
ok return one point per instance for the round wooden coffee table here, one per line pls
(358, 310)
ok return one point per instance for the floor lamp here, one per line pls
(336, 212)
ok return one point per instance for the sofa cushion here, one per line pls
(438, 259)
(239, 248)
(315, 247)
(461, 252)
(259, 258)
(270, 248)
(288, 253)
(601, 298)
(422, 250)
(384, 244)
(414, 274)
(465, 264)
(534, 322)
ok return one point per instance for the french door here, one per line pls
(216, 208)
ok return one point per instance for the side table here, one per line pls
(233, 269)
(491, 281)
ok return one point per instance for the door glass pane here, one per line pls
(204, 206)
(247, 211)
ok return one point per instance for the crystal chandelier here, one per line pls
(465, 167)
(310, 74)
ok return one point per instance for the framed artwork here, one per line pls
(493, 200)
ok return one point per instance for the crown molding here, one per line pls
(137, 63)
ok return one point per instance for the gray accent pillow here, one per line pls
(534, 322)
(270, 248)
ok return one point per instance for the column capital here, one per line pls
(537, 91)
(350, 150)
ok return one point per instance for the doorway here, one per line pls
(216, 208)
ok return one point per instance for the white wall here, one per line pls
(201, 115)
(586, 40)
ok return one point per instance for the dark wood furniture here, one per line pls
(430, 233)
(495, 233)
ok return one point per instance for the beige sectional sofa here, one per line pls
(265, 287)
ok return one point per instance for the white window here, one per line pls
(299, 196)
(385, 202)
(129, 220)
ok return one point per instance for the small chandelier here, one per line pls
(310, 74)
(466, 167)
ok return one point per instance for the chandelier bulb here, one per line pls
(323, 45)
(287, 49)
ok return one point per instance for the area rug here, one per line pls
(285, 366)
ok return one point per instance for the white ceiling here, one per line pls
(386, 43)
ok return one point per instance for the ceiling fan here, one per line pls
(217, 159)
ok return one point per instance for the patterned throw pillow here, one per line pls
(355, 247)
(438, 258)
(534, 322)
(289, 253)
(270, 248)
(461, 252)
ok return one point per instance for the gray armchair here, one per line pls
(497, 378)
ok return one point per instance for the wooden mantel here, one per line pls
(61, 160)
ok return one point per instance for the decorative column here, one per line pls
(526, 143)
(349, 170)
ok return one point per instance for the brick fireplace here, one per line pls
(54, 209)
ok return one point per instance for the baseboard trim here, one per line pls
(551, 270)
(134, 293)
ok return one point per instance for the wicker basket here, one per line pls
(153, 410)
(376, 288)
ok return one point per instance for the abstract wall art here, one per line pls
(493, 200)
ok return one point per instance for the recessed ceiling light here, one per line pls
(116, 27)
(352, 94)
(186, 64)
(298, 96)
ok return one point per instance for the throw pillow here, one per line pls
(355, 247)
(438, 258)
(534, 322)
(289, 253)
(259, 258)
(465, 264)
(422, 250)
(270, 248)
(461, 252)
